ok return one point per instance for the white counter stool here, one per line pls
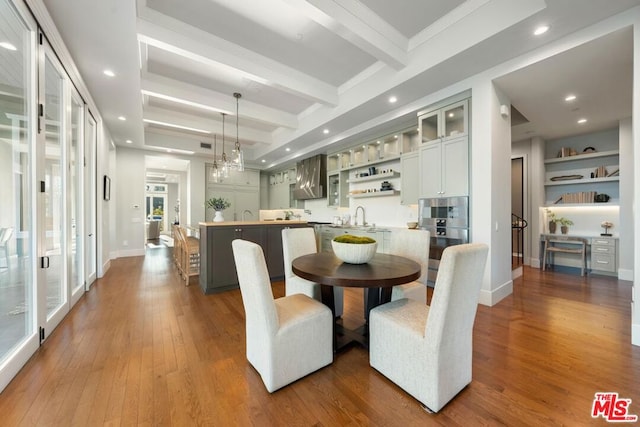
(565, 245)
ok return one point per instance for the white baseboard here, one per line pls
(491, 298)
(130, 252)
(635, 334)
(517, 272)
(625, 274)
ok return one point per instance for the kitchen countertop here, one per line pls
(237, 223)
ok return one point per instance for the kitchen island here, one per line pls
(217, 266)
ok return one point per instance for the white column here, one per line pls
(491, 188)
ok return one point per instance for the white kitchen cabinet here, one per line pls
(444, 168)
(603, 254)
(338, 189)
(247, 178)
(241, 199)
(280, 188)
(327, 234)
(410, 178)
(444, 123)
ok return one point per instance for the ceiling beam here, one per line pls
(164, 32)
(213, 125)
(359, 25)
(209, 100)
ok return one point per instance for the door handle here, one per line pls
(44, 262)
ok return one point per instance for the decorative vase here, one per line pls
(218, 217)
(564, 229)
(552, 227)
(353, 253)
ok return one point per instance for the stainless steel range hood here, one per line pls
(311, 177)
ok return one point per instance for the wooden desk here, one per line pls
(567, 245)
(381, 273)
(601, 251)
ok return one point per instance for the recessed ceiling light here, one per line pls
(541, 30)
(263, 161)
(287, 149)
(581, 121)
(326, 131)
(128, 141)
(7, 46)
(123, 118)
(570, 98)
(109, 73)
(377, 142)
(392, 99)
(451, 114)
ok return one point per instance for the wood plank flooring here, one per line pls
(142, 349)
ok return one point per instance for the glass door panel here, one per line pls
(91, 139)
(18, 335)
(75, 191)
(429, 126)
(53, 209)
(455, 120)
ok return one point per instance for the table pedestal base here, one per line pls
(343, 337)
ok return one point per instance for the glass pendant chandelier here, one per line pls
(239, 155)
(215, 172)
(225, 160)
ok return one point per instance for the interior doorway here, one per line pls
(518, 214)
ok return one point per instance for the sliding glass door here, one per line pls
(53, 297)
(18, 314)
(75, 146)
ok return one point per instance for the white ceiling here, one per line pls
(303, 66)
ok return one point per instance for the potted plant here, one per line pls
(564, 224)
(354, 249)
(218, 204)
(551, 216)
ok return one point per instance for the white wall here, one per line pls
(635, 305)
(130, 197)
(128, 191)
(105, 210)
(625, 255)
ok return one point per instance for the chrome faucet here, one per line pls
(356, 217)
(246, 211)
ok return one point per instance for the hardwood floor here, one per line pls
(142, 349)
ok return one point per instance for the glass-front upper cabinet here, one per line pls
(448, 122)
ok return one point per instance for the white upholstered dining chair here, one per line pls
(297, 242)
(287, 338)
(412, 244)
(427, 350)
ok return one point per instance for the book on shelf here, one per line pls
(579, 197)
(601, 172)
(615, 172)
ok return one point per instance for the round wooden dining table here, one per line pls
(379, 275)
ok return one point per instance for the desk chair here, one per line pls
(550, 248)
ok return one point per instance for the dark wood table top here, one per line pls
(382, 271)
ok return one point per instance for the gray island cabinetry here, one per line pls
(217, 267)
